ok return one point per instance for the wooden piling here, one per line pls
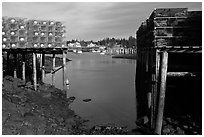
(15, 65)
(53, 69)
(155, 88)
(163, 75)
(43, 67)
(34, 72)
(65, 79)
(23, 67)
(64, 70)
(8, 64)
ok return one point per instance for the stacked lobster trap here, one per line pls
(169, 46)
(24, 38)
(23, 33)
(13, 33)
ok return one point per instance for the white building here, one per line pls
(91, 45)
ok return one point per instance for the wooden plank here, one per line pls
(57, 69)
(37, 50)
(161, 99)
(34, 72)
(23, 67)
(181, 74)
(53, 69)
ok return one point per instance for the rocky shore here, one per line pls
(47, 112)
(43, 112)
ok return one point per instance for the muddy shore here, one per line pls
(43, 112)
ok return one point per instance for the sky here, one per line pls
(93, 20)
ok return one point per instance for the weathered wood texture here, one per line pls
(177, 27)
(43, 67)
(34, 72)
(162, 90)
(53, 69)
(23, 68)
(162, 43)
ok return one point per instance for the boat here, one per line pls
(79, 52)
(103, 52)
(74, 51)
(95, 51)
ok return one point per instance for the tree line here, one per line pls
(110, 42)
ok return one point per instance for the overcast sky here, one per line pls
(89, 20)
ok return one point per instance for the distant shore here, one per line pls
(125, 56)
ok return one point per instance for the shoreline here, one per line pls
(44, 112)
(47, 112)
(125, 56)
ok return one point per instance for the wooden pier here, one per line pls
(163, 52)
(22, 37)
(42, 53)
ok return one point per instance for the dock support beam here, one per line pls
(162, 90)
(15, 67)
(23, 67)
(64, 78)
(53, 69)
(8, 64)
(43, 67)
(155, 78)
(34, 72)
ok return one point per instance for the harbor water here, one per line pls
(108, 82)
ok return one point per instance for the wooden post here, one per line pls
(155, 87)
(8, 65)
(34, 72)
(147, 71)
(53, 69)
(65, 79)
(2, 56)
(23, 67)
(63, 71)
(43, 67)
(15, 65)
(163, 75)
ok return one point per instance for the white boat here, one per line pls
(94, 51)
(79, 52)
